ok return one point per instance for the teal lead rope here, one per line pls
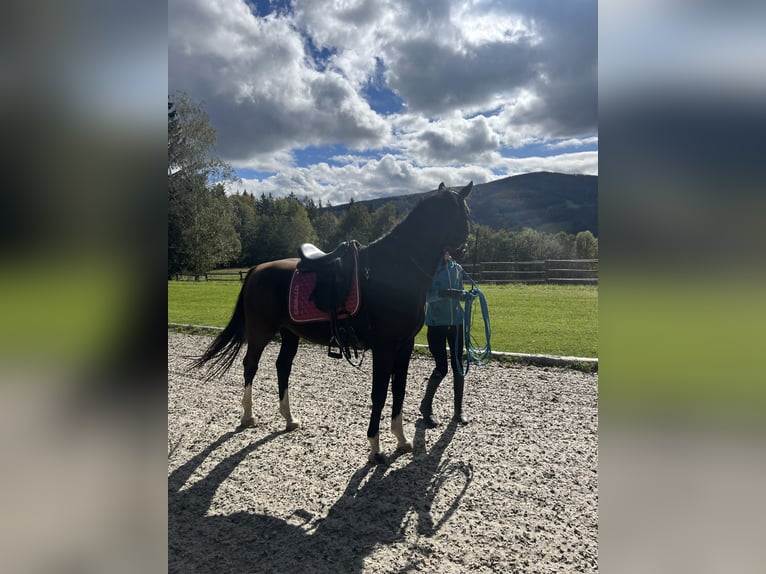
(475, 351)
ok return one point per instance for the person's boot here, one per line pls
(459, 386)
(426, 405)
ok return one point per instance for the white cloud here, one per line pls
(492, 27)
(256, 84)
(573, 142)
(451, 140)
(476, 78)
(363, 178)
(352, 30)
(585, 162)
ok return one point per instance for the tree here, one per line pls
(191, 139)
(246, 224)
(355, 223)
(561, 245)
(383, 220)
(312, 207)
(491, 246)
(528, 245)
(326, 227)
(585, 246)
(282, 228)
(201, 233)
(201, 229)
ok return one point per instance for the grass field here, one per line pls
(549, 319)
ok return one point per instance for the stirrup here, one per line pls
(334, 354)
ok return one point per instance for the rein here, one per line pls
(423, 271)
(419, 268)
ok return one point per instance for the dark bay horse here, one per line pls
(395, 274)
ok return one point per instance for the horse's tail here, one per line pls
(225, 347)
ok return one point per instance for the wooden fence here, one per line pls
(559, 271)
(212, 276)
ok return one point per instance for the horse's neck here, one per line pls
(413, 257)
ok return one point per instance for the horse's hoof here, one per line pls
(292, 426)
(245, 423)
(430, 421)
(404, 447)
(377, 458)
(460, 418)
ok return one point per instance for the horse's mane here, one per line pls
(417, 217)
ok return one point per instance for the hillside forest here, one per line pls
(209, 229)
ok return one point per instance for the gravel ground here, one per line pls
(514, 491)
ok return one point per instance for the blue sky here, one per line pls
(368, 98)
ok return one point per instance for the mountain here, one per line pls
(545, 201)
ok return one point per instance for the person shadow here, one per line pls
(376, 508)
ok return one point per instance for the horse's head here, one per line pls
(438, 222)
(454, 215)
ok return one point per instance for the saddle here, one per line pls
(313, 258)
(335, 275)
(325, 287)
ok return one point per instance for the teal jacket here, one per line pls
(442, 311)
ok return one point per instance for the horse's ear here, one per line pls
(441, 186)
(466, 191)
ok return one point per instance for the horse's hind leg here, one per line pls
(284, 366)
(250, 363)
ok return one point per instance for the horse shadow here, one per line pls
(376, 508)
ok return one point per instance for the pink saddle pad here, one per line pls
(303, 310)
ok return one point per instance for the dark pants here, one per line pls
(438, 339)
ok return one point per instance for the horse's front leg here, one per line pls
(398, 388)
(382, 365)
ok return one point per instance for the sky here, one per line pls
(358, 99)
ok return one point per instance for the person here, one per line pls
(444, 319)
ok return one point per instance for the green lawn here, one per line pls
(202, 303)
(549, 319)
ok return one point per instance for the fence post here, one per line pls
(476, 253)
